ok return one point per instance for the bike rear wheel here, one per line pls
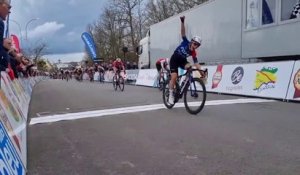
(195, 96)
(121, 83)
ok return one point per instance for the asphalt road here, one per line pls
(224, 139)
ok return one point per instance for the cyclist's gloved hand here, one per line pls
(188, 67)
(182, 19)
(197, 65)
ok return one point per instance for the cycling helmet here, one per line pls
(197, 39)
(118, 60)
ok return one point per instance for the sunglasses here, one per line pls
(196, 44)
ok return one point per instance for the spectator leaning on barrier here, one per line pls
(25, 66)
(11, 57)
(4, 11)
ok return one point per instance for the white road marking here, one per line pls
(133, 109)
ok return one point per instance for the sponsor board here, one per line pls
(259, 79)
(14, 122)
(132, 74)
(147, 77)
(10, 161)
(294, 87)
(17, 93)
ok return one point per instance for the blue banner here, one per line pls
(90, 45)
(10, 162)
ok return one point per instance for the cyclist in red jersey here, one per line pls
(118, 65)
(162, 63)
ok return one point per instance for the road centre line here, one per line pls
(133, 109)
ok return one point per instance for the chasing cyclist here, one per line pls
(162, 63)
(118, 66)
(179, 58)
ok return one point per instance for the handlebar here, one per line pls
(190, 70)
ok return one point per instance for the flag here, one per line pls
(266, 15)
(16, 43)
(89, 43)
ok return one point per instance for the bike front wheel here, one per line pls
(161, 82)
(115, 81)
(121, 83)
(195, 96)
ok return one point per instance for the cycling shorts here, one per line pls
(158, 66)
(177, 61)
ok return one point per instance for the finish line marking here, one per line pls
(133, 109)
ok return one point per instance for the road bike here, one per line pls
(163, 78)
(192, 90)
(118, 81)
(101, 77)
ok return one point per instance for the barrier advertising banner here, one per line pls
(147, 77)
(16, 97)
(294, 88)
(14, 103)
(15, 124)
(10, 161)
(132, 74)
(260, 79)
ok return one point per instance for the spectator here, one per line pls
(134, 66)
(12, 62)
(4, 11)
(128, 65)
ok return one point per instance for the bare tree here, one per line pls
(127, 9)
(159, 10)
(123, 23)
(37, 51)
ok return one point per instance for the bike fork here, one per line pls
(193, 88)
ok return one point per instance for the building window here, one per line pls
(290, 9)
(252, 14)
(268, 11)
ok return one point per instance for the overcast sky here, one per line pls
(60, 24)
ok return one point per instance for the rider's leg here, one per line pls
(174, 76)
(174, 73)
(158, 68)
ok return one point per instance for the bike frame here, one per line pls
(164, 74)
(187, 81)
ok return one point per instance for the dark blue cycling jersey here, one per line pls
(184, 51)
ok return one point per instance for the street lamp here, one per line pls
(20, 28)
(27, 26)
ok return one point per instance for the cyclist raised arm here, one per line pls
(179, 58)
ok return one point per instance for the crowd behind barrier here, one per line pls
(14, 103)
